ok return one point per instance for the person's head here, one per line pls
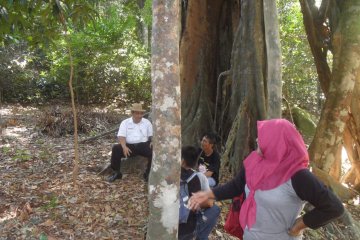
(279, 139)
(137, 112)
(189, 156)
(208, 141)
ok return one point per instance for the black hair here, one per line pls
(190, 156)
(213, 137)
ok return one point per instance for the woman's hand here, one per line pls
(198, 198)
(297, 229)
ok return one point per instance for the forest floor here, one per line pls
(38, 199)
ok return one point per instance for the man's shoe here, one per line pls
(117, 175)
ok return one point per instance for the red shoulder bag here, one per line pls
(232, 224)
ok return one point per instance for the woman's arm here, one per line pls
(227, 191)
(327, 206)
(232, 188)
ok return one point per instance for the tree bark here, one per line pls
(76, 137)
(248, 64)
(165, 172)
(205, 48)
(346, 69)
(335, 170)
(322, 26)
(316, 41)
(352, 177)
(353, 145)
(228, 36)
(273, 54)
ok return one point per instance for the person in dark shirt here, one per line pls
(199, 182)
(277, 182)
(209, 160)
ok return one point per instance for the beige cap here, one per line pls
(137, 107)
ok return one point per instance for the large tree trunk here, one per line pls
(224, 60)
(203, 55)
(210, 32)
(165, 171)
(339, 22)
(248, 62)
(346, 69)
(211, 29)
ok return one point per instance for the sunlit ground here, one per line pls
(8, 216)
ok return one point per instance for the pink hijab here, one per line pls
(283, 154)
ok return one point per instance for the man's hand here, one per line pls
(126, 151)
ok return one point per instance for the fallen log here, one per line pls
(147, 115)
(100, 135)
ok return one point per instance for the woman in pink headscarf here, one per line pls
(277, 183)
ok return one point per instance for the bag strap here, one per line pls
(191, 177)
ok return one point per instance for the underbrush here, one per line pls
(59, 121)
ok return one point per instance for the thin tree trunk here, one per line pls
(76, 142)
(165, 172)
(312, 27)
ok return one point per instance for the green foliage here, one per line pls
(5, 150)
(110, 60)
(43, 236)
(21, 155)
(53, 203)
(146, 12)
(304, 121)
(45, 155)
(300, 84)
(40, 22)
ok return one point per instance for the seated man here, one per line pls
(209, 160)
(198, 224)
(134, 136)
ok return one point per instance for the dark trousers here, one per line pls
(142, 149)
